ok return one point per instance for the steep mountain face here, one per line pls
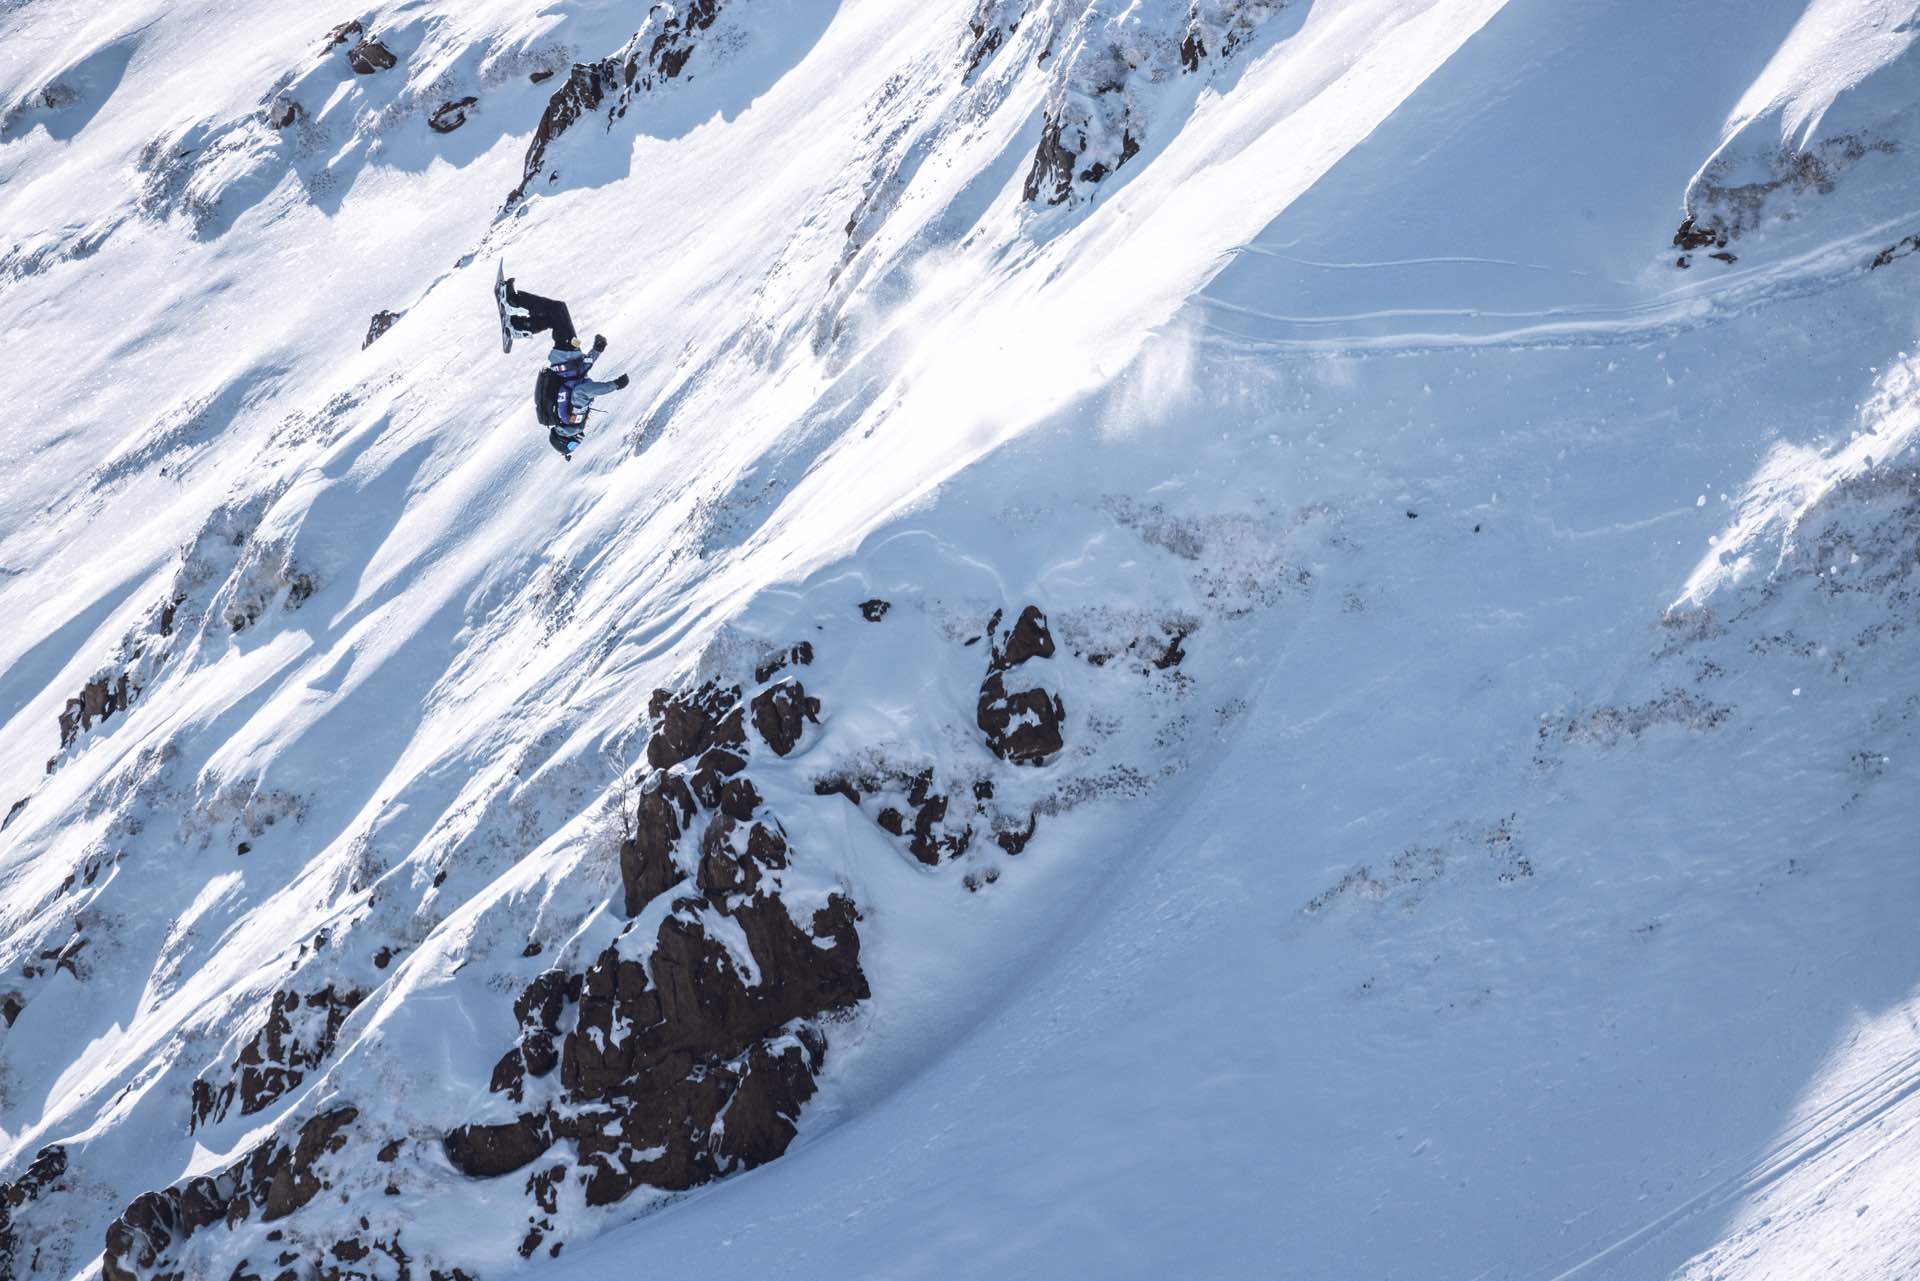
(1203, 644)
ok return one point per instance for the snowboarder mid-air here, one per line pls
(562, 394)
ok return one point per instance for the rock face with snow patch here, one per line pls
(1097, 117)
(274, 1180)
(657, 53)
(297, 1037)
(44, 1173)
(714, 1011)
(1021, 725)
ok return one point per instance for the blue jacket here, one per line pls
(577, 390)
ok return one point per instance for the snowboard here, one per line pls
(500, 301)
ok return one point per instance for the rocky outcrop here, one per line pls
(779, 714)
(665, 812)
(1736, 189)
(892, 794)
(370, 56)
(689, 725)
(992, 23)
(657, 53)
(682, 1056)
(272, 1181)
(586, 88)
(298, 1036)
(449, 116)
(381, 322)
(1218, 28)
(99, 699)
(45, 1173)
(800, 655)
(1022, 726)
(1096, 119)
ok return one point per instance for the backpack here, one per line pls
(546, 397)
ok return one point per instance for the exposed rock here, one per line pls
(98, 700)
(485, 1151)
(1695, 235)
(658, 52)
(381, 322)
(779, 714)
(275, 1178)
(370, 56)
(1899, 249)
(800, 656)
(44, 1173)
(1095, 119)
(449, 116)
(13, 812)
(586, 88)
(1021, 726)
(538, 1009)
(284, 113)
(1732, 194)
(349, 30)
(1218, 28)
(299, 1035)
(1062, 143)
(726, 868)
(1014, 841)
(992, 22)
(646, 857)
(874, 610)
(677, 1060)
(1173, 655)
(929, 838)
(1030, 638)
(714, 773)
(685, 726)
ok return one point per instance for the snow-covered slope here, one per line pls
(1203, 646)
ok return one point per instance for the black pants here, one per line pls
(542, 314)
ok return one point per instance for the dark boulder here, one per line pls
(780, 714)
(370, 56)
(449, 116)
(485, 1151)
(1022, 727)
(1030, 638)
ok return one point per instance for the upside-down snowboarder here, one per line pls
(562, 393)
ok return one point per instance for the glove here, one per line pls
(599, 343)
(621, 382)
